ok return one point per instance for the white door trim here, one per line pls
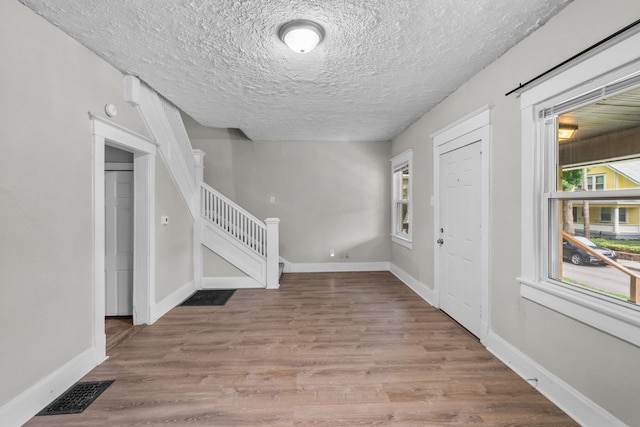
(108, 133)
(478, 122)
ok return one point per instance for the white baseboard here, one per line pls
(27, 404)
(242, 282)
(331, 267)
(575, 404)
(160, 309)
(419, 288)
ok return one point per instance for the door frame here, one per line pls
(144, 151)
(479, 123)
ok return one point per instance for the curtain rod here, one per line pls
(574, 57)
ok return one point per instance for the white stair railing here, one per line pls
(234, 220)
(261, 238)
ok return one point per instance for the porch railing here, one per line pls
(634, 278)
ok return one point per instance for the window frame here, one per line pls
(594, 182)
(626, 215)
(399, 163)
(601, 216)
(614, 62)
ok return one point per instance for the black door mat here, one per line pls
(209, 297)
(77, 398)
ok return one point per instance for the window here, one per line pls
(622, 214)
(602, 141)
(567, 224)
(401, 169)
(609, 214)
(605, 214)
(595, 182)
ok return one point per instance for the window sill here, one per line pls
(616, 318)
(402, 241)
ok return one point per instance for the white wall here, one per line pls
(604, 369)
(328, 195)
(49, 84)
(174, 241)
(213, 265)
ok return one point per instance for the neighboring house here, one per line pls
(615, 219)
(329, 196)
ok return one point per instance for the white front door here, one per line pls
(460, 231)
(119, 243)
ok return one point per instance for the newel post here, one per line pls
(273, 253)
(198, 177)
(198, 163)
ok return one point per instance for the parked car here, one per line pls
(576, 255)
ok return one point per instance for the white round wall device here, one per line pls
(111, 110)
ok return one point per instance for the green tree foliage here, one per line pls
(571, 179)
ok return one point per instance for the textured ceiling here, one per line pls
(381, 66)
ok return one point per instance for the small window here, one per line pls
(605, 214)
(595, 183)
(401, 168)
(622, 215)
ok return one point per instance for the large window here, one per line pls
(606, 138)
(581, 191)
(401, 168)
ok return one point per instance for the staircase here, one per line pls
(246, 242)
(239, 237)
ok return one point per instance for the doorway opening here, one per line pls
(119, 232)
(141, 266)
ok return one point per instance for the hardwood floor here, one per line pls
(118, 329)
(332, 349)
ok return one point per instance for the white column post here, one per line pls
(273, 253)
(616, 222)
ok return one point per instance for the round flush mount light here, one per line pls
(301, 36)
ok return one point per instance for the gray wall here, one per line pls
(213, 265)
(48, 85)
(115, 155)
(174, 241)
(603, 368)
(328, 195)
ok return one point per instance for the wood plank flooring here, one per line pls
(326, 349)
(118, 329)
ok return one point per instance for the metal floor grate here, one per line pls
(77, 398)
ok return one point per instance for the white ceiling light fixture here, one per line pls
(301, 36)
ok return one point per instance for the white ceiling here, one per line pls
(381, 66)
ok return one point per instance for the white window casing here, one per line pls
(612, 70)
(399, 163)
